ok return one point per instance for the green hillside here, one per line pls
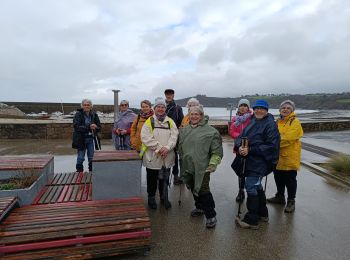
(308, 101)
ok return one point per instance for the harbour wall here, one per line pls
(56, 130)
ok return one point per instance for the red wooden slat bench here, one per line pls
(74, 186)
(82, 230)
(24, 162)
(6, 205)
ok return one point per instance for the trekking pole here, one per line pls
(96, 141)
(244, 145)
(180, 187)
(265, 183)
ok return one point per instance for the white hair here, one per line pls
(193, 102)
(86, 100)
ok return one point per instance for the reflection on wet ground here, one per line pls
(319, 228)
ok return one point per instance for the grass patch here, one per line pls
(340, 163)
(23, 179)
(343, 101)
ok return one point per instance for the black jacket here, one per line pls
(264, 143)
(175, 113)
(81, 131)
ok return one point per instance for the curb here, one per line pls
(324, 173)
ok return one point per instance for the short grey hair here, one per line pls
(193, 102)
(199, 109)
(86, 100)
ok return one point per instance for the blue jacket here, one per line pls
(264, 142)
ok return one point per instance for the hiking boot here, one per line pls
(152, 204)
(211, 222)
(244, 224)
(240, 196)
(278, 199)
(290, 208)
(197, 212)
(177, 180)
(167, 204)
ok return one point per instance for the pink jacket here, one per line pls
(236, 131)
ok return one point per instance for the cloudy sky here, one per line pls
(65, 50)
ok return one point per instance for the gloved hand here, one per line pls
(211, 168)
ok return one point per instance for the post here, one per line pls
(116, 103)
(230, 106)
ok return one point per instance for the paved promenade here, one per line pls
(319, 228)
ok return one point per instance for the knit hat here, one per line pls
(289, 102)
(198, 109)
(243, 101)
(159, 101)
(261, 103)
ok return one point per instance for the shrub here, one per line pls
(340, 163)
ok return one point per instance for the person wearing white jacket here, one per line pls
(159, 136)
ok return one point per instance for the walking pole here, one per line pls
(244, 145)
(96, 141)
(265, 183)
(180, 187)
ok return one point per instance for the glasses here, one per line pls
(123, 105)
(243, 105)
(86, 105)
(286, 108)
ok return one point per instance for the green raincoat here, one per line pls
(198, 148)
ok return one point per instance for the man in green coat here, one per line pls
(200, 150)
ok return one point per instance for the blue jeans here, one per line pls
(253, 184)
(89, 147)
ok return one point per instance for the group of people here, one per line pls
(166, 139)
(261, 146)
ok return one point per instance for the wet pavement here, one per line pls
(318, 229)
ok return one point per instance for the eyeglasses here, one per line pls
(123, 105)
(286, 108)
(243, 105)
(86, 105)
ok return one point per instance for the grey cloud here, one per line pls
(177, 54)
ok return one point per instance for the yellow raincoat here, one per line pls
(290, 147)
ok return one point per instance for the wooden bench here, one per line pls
(76, 230)
(6, 205)
(65, 187)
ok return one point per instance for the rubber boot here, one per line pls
(152, 204)
(263, 211)
(251, 218)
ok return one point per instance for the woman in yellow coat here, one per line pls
(190, 103)
(135, 131)
(290, 153)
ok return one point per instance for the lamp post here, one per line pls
(116, 103)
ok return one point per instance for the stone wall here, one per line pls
(65, 130)
(45, 131)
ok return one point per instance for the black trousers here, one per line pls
(286, 179)
(153, 181)
(204, 200)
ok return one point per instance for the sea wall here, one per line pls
(65, 130)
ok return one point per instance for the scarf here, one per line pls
(241, 118)
(146, 115)
(161, 117)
